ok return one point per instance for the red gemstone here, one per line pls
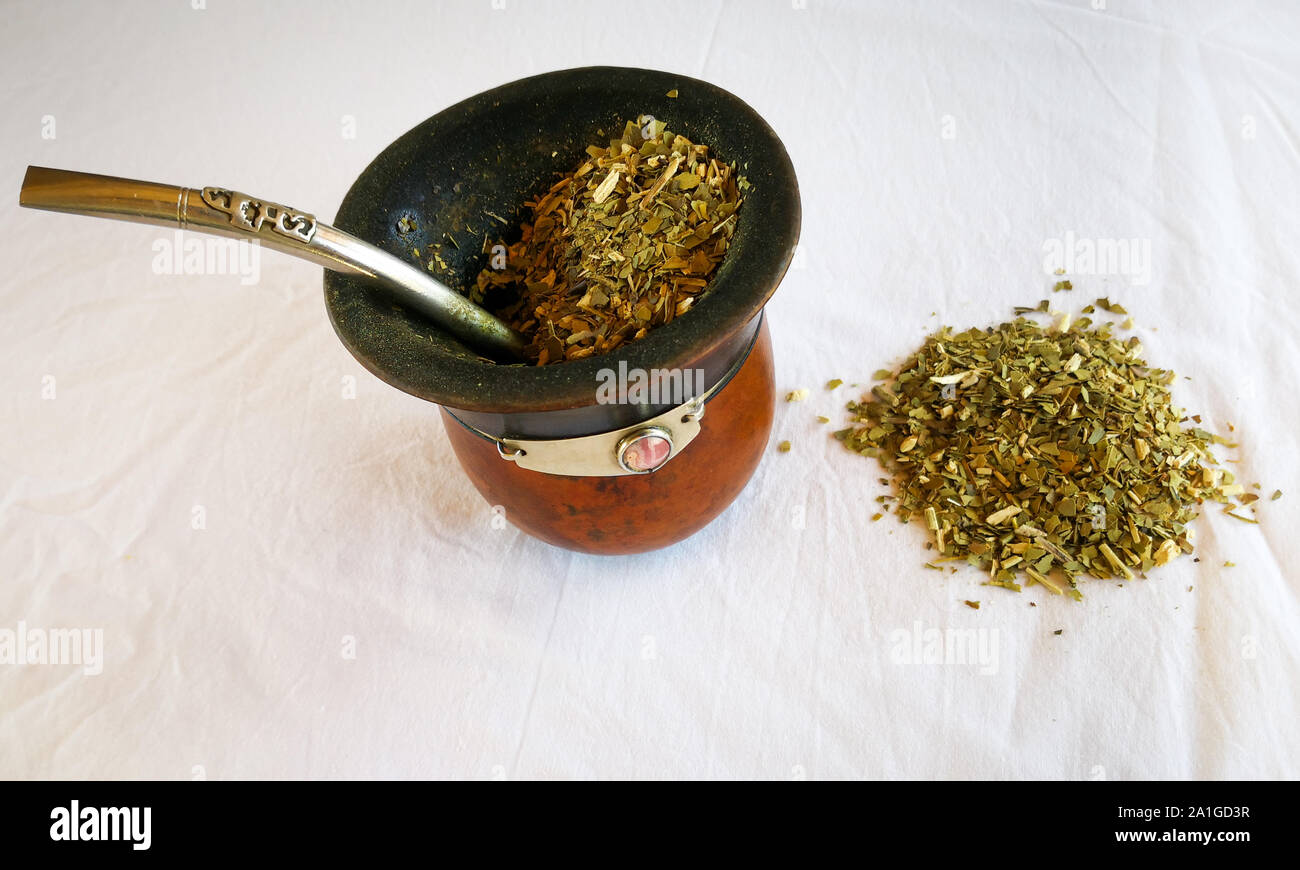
(647, 453)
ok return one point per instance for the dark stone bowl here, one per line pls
(463, 176)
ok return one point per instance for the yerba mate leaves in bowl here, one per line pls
(625, 243)
(1043, 454)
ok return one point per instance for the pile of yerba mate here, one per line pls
(625, 243)
(1042, 452)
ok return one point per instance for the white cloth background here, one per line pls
(938, 146)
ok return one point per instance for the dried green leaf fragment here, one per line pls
(1053, 453)
(625, 243)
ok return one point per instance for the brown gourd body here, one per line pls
(636, 513)
(457, 183)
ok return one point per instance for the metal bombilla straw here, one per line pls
(224, 212)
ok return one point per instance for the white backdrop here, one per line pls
(346, 608)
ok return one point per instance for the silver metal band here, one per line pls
(614, 453)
